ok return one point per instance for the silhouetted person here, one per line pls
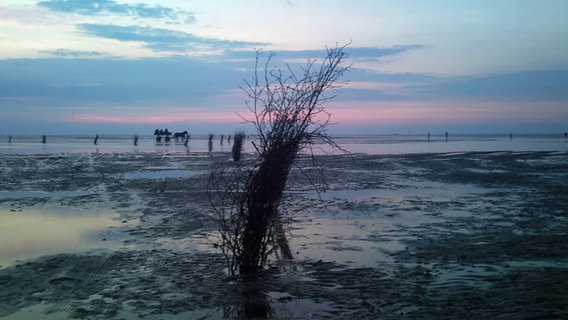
(96, 140)
(229, 139)
(186, 140)
(210, 142)
(136, 140)
(446, 136)
(222, 138)
(510, 136)
(428, 136)
(9, 139)
(43, 139)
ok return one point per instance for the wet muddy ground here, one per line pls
(416, 236)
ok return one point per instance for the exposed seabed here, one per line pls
(127, 236)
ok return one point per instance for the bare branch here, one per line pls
(288, 115)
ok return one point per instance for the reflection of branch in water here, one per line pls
(254, 303)
(281, 240)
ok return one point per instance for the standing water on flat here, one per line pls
(370, 144)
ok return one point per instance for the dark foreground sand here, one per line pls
(425, 236)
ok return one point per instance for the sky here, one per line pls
(131, 66)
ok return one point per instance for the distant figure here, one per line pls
(186, 140)
(96, 139)
(446, 136)
(428, 136)
(565, 135)
(210, 142)
(222, 138)
(229, 139)
(9, 139)
(159, 133)
(135, 140)
(43, 139)
(510, 136)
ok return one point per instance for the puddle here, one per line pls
(162, 174)
(271, 307)
(401, 190)
(537, 264)
(352, 242)
(471, 275)
(193, 242)
(36, 232)
(42, 311)
(299, 308)
(41, 194)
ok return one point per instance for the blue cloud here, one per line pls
(162, 39)
(542, 85)
(175, 79)
(376, 53)
(71, 53)
(97, 7)
(359, 53)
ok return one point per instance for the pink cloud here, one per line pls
(354, 113)
(452, 111)
(144, 118)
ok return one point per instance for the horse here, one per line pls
(182, 135)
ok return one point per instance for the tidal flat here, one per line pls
(127, 235)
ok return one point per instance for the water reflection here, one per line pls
(34, 232)
(372, 144)
(260, 301)
(162, 174)
(255, 304)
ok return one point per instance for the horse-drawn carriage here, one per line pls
(167, 135)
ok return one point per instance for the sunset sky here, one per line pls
(130, 66)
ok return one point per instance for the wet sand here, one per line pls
(415, 236)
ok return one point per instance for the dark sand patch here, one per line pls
(474, 235)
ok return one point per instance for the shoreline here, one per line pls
(366, 144)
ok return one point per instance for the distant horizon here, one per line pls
(217, 134)
(353, 143)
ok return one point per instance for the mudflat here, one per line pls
(412, 236)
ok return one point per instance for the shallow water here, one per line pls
(41, 194)
(374, 144)
(37, 231)
(161, 174)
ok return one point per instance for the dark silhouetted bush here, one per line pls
(289, 118)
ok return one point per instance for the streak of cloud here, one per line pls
(66, 53)
(105, 7)
(162, 39)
